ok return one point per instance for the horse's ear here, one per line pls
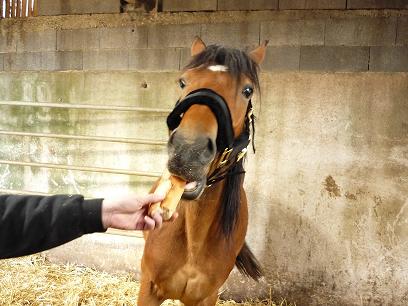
(258, 54)
(197, 47)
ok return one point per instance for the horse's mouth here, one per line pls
(193, 190)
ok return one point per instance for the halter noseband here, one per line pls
(231, 150)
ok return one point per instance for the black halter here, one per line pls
(231, 150)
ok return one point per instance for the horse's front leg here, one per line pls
(147, 294)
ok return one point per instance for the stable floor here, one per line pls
(33, 280)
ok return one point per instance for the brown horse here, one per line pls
(189, 259)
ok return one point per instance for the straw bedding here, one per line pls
(35, 281)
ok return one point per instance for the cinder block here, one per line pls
(312, 4)
(8, 42)
(37, 41)
(63, 60)
(281, 59)
(106, 60)
(22, 61)
(123, 38)
(245, 5)
(93, 6)
(239, 35)
(154, 59)
(293, 32)
(389, 59)
(377, 4)
(95, 60)
(49, 7)
(185, 57)
(118, 59)
(180, 35)
(189, 5)
(78, 39)
(334, 58)
(402, 31)
(361, 31)
(67, 7)
(49, 61)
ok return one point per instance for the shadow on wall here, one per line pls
(295, 243)
(296, 258)
(305, 263)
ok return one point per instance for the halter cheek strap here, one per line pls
(238, 151)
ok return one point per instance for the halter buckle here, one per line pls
(224, 157)
(242, 154)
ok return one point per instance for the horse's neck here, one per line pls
(202, 218)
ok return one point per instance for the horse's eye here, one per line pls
(182, 83)
(247, 92)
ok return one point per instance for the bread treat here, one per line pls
(172, 188)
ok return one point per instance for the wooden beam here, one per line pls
(7, 9)
(18, 9)
(13, 8)
(35, 13)
(30, 8)
(24, 9)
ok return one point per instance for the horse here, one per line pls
(210, 127)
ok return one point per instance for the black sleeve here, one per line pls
(30, 224)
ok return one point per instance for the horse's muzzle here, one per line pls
(190, 159)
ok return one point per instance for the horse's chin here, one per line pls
(195, 192)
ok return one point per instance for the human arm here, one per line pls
(30, 224)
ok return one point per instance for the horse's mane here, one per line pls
(238, 62)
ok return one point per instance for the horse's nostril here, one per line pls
(171, 137)
(207, 151)
(211, 146)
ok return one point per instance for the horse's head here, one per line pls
(216, 88)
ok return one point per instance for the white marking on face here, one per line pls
(218, 68)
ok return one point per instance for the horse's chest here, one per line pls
(189, 273)
(187, 282)
(186, 264)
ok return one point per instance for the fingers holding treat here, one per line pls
(172, 188)
(170, 202)
(162, 189)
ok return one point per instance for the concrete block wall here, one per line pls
(236, 5)
(298, 41)
(192, 5)
(77, 87)
(68, 7)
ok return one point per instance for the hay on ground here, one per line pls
(33, 280)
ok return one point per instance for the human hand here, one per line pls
(131, 212)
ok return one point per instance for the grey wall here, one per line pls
(328, 185)
(298, 40)
(66, 7)
(234, 5)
